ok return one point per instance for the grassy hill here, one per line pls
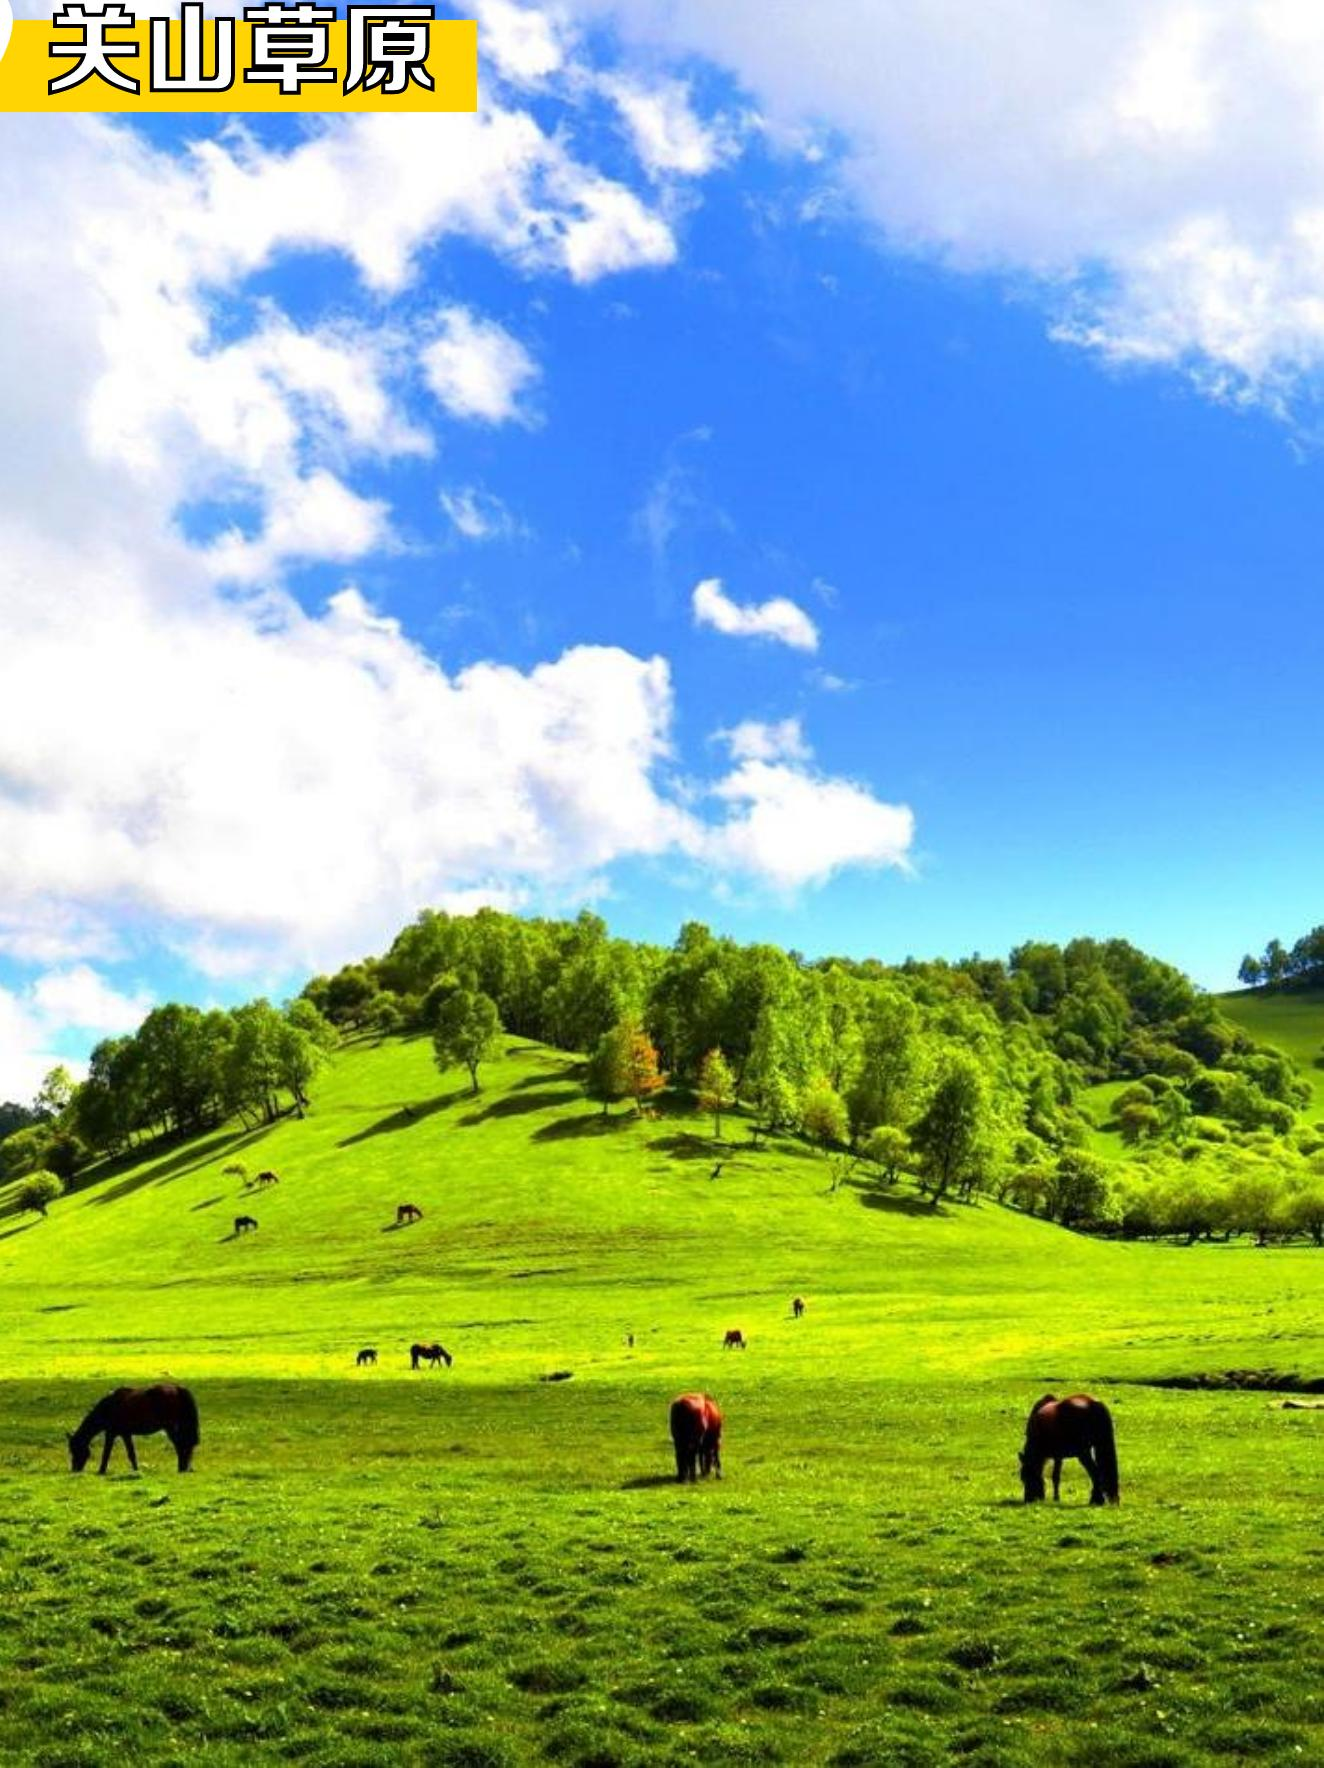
(483, 1569)
(1292, 1021)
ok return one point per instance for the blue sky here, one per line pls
(1056, 534)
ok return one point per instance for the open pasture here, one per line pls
(477, 1566)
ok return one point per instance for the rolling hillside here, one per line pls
(1291, 1020)
(551, 1232)
(480, 1569)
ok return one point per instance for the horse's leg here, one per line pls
(106, 1447)
(130, 1451)
(1091, 1467)
(1057, 1480)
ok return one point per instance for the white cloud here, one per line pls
(524, 43)
(1155, 167)
(792, 827)
(752, 740)
(477, 369)
(479, 515)
(33, 1018)
(668, 136)
(779, 619)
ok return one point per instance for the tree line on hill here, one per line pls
(959, 1077)
(1301, 965)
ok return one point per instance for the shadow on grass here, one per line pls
(22, 1228)
(649, 1482)
(687, 1146)
(564, 1069)
(404, 1117)
(893, 1202)
(594, 1124)
(187, 1160)
(207, 1203)
(516, 1105)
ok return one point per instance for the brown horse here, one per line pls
(368, 1355)
(262, 1180)
(138, 1411)
(696, 1432)
(245, 1225)
(436, 1354)
(408, 1212)
(734, 1340)
(1079, 1429)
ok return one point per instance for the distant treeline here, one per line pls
(1303, 964)
(958, 1077)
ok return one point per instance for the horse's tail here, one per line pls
(1105, 1452)
(188, 1418)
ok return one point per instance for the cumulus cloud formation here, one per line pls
(779, 619)
(668, 136)
(31, 1019)
(792, 826)
(477, 369)
(753, 740)
(1157, 167)
(223, 772)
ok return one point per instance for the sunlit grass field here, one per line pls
(478, 1566)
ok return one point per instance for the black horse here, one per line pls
(1078, 1429)
(367, 1355)
(245, 1225)
(138, 1411)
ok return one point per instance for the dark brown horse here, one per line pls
(245, 1225)
(262, 1180)
(436, 1354)
(138, 1411)
(1077, 1429)
(696, 1432)
(408, 1212)
(368, 1355)
(734, 1340)
(798, 1307)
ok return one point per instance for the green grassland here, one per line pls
(478, 1567)
(1292, 1020)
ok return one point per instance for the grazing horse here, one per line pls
(798, 1307)
(408, 1212)
(138, 1411)
(734, 1340)
(696, 1432)
(1079, 1429)
(367, 1355)
(245, 1224)
(265, 1179)
(435, 1354)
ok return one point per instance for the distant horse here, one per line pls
(265, 1179)
(1079, 1429)
(408, 1212)
(798, 1308)
(245, 1224)
(696, 1432)
(138, 1411)
(734, 1340)
(629, 1341)
(436, 1354)
(365, 1356)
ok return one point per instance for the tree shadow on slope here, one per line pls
(891, 1202)
(188, 1160)
(518, 1105)
(404, 1117)
(567, 1129)
(563, 1069)
(689, 1146)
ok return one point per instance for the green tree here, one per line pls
(888, 1147)
(948, 1135)
(716, 1087)
(1076, 1190)
(55, 1095)
(38, 1191)
(823, 1115)
(467, 1033)
(607, 1074)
